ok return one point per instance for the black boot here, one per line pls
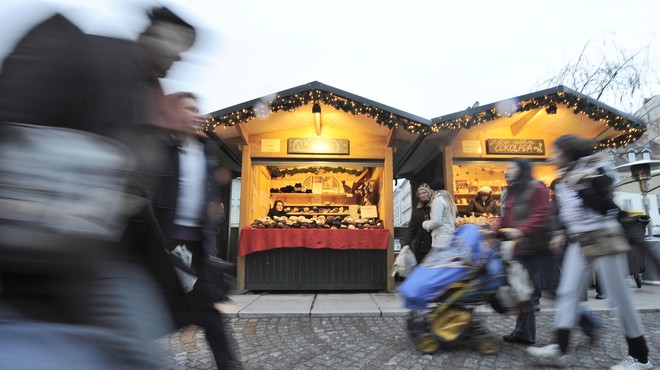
(563, 336)
(637, 349)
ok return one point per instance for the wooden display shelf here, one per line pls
(317, 214)
(317, 205)
(307, 199)
(473, 194)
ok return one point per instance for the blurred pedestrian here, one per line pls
(588, 213)
(183, 196)
(526, 211)
(59, 80)
(589, 322)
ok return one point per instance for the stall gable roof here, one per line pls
(316, 92)
(631, 127)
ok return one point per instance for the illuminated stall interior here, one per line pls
(314, 146)
(477, 143)
(322, 151)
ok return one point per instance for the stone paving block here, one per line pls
(345, 305)
(281, 305)
(389, 304)
(382, 304)
(236, 303)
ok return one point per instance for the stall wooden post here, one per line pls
(388, 205)
(245, 217)
(449, 169)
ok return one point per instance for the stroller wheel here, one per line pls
(489, 346)
(428, 344)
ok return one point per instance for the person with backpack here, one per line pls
(594, 240)
(525, 215)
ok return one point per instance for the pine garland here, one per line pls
(276, 172)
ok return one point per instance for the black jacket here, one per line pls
(480, 207)
(166, 189)
(416, 237)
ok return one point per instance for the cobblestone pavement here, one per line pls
(383, 343)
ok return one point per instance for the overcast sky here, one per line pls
(428, 58)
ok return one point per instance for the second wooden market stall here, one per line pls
(474, 146)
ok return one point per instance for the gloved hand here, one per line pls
(557, 243)
(513, 233)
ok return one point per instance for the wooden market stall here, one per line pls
(477, 143)
(329, 156)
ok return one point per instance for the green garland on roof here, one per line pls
(276, 172)
(631, 131)
(292, 102)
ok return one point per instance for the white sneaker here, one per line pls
(550, 355)
(630, 363)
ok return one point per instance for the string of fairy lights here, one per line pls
(630, 130)
(292, 102)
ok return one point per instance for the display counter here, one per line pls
(256, 240)
(314, 259)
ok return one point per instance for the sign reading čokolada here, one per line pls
(515, 146)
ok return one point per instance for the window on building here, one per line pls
(627, 204)
(235, 206)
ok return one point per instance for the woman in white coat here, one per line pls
(442, 219)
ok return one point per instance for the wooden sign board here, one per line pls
(318, 146)
(515, 146)
(368, 212)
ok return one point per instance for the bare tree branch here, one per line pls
(620, 78)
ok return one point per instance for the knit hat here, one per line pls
(424, 187)
(485, 190)
(437, 184)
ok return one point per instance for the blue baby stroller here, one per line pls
(444, 290)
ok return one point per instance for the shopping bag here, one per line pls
(404, 263)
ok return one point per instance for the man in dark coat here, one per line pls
(186, 204)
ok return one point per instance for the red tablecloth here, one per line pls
(256, 240)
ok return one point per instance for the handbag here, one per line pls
(63, 195)
(221, 276)
(603, 242)
(422, 243)
(404, 263)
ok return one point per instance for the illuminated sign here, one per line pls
(515, 146)
(317, 146)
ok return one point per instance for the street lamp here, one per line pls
(641, 172)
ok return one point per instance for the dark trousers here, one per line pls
(526, 320)
(204, 314)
